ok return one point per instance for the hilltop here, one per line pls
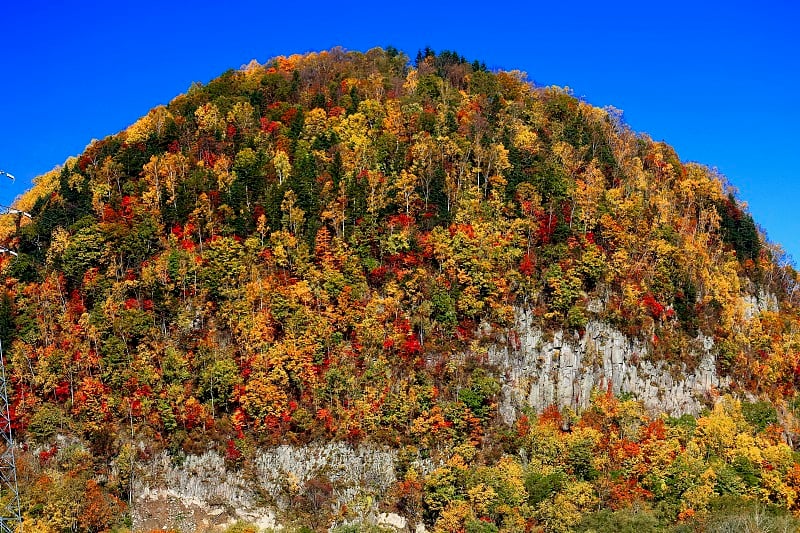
(527, 315)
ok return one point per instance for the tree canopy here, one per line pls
(322, 247)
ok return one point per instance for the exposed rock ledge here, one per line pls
(201, 494)
(541, 370)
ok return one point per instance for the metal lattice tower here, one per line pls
(10, 510)
(11, 514)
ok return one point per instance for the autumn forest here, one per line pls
(325, 247)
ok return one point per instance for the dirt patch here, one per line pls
(168, 513)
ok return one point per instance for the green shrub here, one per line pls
(46, 422)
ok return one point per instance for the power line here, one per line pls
(13, 211)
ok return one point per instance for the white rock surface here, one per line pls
(540, 372)
(202, 488)
(392, 520)
(754, 304)
(355, 472)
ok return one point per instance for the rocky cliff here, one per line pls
(201, 492)
(542, 369)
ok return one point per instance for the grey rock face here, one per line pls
(357, 473)
(563, 370)
(755, 304)
(202, 487)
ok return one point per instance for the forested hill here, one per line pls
(324, 247)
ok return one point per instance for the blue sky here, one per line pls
(717, 80)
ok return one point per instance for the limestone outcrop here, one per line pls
(540, 369)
